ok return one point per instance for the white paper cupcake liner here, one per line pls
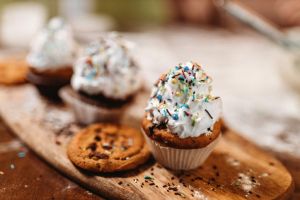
(87, 114)
(180, 159)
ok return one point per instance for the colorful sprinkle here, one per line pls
(184, 106)
(175, 116)
(186, 113)
(208, 114)
(184, 88)
(159, 97)
(177, 94)
(181, 78)
(169, 112)
(148, 177)
(193, 122)
(164, 113)
(91, 75)
(21, 154)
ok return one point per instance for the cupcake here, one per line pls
(182, 120)
(105, 80)
(51, 57)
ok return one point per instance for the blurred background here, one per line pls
(91, 16)
(86, 17)
(258, 80)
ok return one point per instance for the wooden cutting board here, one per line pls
(237, 169)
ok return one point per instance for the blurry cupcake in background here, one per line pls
(105, 81)
(51, 57)
(182, 120)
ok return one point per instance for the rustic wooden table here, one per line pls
(24, 176)
(247, 74)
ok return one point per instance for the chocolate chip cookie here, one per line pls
(108, 148)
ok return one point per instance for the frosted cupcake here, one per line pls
(51, 57)
(182, 121)
(105, 80)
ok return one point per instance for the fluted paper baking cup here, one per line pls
(86, 113)
(180, 159)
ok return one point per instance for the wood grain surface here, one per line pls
(237, 169)
(24, 174)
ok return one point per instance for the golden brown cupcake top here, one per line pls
(161, 134)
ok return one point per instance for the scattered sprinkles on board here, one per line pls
(187, 184)
(182, 184)
(233, 162)
(21, 154)
(247, 182)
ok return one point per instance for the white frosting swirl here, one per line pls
(106, 68)
(54, 47)
(182, 100)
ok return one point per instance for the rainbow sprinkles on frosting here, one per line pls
(182, 100)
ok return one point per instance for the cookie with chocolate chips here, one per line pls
(108, 148)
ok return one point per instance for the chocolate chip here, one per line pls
(106, 146)
(162, 125)
(92, 146)
(151, 130)
(98, 155)
(101, 155)
(97, 138)
(173, 188)
(98, 130)
(91, 154)
(57, 142)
